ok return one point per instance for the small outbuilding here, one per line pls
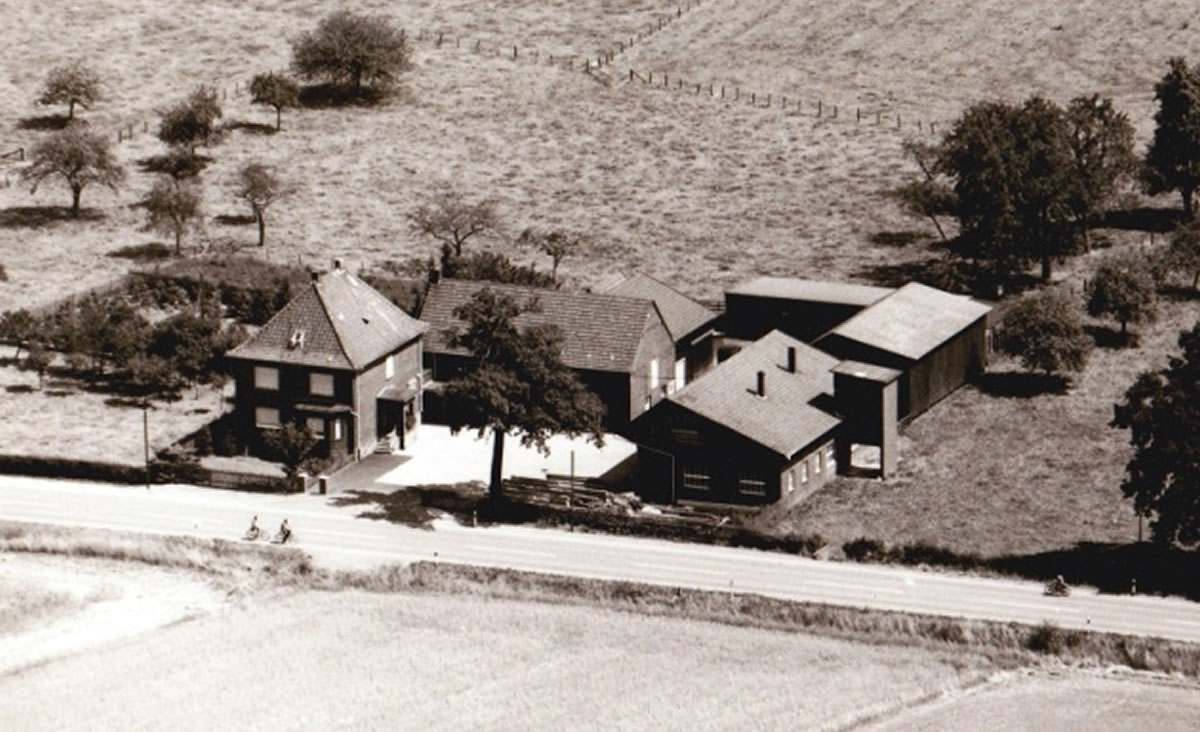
(804, 309)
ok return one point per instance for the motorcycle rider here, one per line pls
(285, 532)
(1058, 584)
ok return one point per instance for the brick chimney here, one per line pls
(791, 359)
(337, 263)
(761, 385)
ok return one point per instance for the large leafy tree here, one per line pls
(1184, 251)
(293, 445)
(74, 84)
(1173, 160)
(518, 384)
(1162, 412)
(352, 49)
(1101, 142)
(1046, 332)
(80, 158)
(556, 244)
(451, 219)
(1014, 180)
(275, 90)
(1124, 288)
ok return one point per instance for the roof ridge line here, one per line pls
(333, 326)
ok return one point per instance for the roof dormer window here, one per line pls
(297, 339)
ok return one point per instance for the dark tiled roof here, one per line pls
(792, 288)
(601, 332)
(912, 321)
(681, 314)
(784, 420)
(346, 324)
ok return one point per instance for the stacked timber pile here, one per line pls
(591, 495)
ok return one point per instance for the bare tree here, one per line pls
(73, 84)
(556, 244)
(174, 207)
(275, 90)
(450, 220)
(80, 157)
(259, 188)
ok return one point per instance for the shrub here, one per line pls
(867, 550)
(3, 274)
(151, 252)
(1052, 640)
(204, 441)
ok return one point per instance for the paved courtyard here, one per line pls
(436, 457)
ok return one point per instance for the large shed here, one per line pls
(935, 339)
(804, 309)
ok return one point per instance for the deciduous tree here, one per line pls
(193, 121)
(1046, 332)
(38, 360)
(259, 188)
(349, 48)
(1124, 288)
(275, 90)
(1101, 141)
(1184, 251)
(80, 158)
(18, 327)
(1014, 181)
(451, 220)
(930, 196)
(518, 384)
(72, 84)
(1162, 412)
(1173, 160)
(186, 341)
(293, 444)
(556, 244)
(173, 207)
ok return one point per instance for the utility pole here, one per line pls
(146, 437)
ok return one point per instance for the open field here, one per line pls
(927, 60)
(65, 419)
(247, 641)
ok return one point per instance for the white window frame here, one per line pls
(803, 472)
(830, 459)
(791, 482)
(694, 480)
(654, 375)
(316, 425)
(266, 378)
(337, 428)
(681, 373)
(752, 487)
(389, 367)
(312, 383)
(816, 461)
(267, 424)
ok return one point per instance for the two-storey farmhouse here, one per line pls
(341, 359)
(619, 346)
(690, 324)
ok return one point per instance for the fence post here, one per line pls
(678, 12)
(768, 100)
(441, 37)
(120, 132)
(722, 91)
(680, 83)
(754, 98)
(710, 89)
(514, 53)
(631, 75)
(835, 111)
(857, 114)
(897, 120)
(818, 107)
(666, 82)
(737, 92)
(933, 127)
(879, 118)
(130, 135)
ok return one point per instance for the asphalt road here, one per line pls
(339, 535)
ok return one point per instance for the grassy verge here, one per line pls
(22, 606)
(1009, 644)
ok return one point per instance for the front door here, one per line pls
(387, 418)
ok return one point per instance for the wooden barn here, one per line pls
(758, 428)
(620, 347)
(936, 340)
(804, 309)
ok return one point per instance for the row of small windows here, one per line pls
(266, 378)
(268, 418)
(697, 481)
(823, 461)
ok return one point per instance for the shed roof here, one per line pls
(785, 420)
(681, 314)
(913, 321)
(337, 321)
(601, 332)
(792, 288)
(868, 371)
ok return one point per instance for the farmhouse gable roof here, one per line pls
(681, 314)
(912, 321)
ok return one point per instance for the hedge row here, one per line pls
(53, 467)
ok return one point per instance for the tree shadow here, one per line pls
(39, 217)
(417, 506)
(1020, 384)
(167, 165)
(1113, 568)
(19, 388)
(1178, 293)
(253, 128)
(899, 238)
(327, 96)
(233, 219)
(45, 123)
(1112, 338)
(1143, 218)
(150, 252)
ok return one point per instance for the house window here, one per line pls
(791, 482)
(389, 367)
(337, 429)
(680, 373)
(685, 436)
(695, 481)
(267, 417)
(804, 472)
(320, 384)
(654, 373)
(648, 403)
(266, 378)
(751, 487)
(316, 425)
(830, 459)
(816, 463)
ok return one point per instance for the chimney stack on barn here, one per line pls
(337, 263)
(761, 385)
(791, 359)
